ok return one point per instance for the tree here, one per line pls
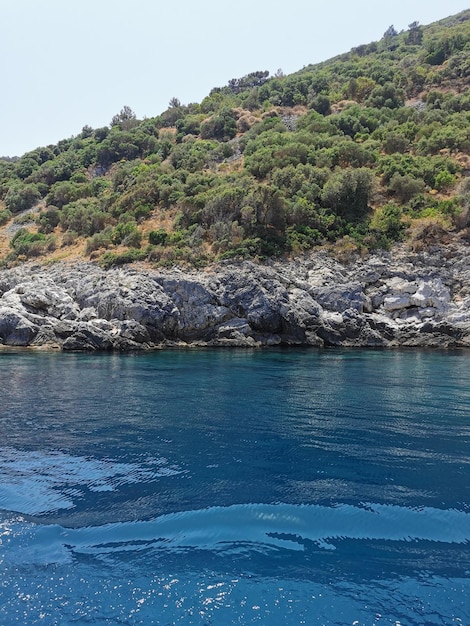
(85, 217)
(347, 192)
(63, 192)
(125, 119)
(321, 104)
(26, 166)
(100, 134)
(87, 131)
(222, 126)
(255, 79)
(415, 34)
(21, 197)
(395, 142)
(390, 32)
(387, 95)
(405, 187)
(268, 207)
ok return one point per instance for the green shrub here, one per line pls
(133, 239)
(302, 237)
(449, 208)
(396, 142)
(387, 222)
(124, 230)
(21, 197)
(27, 243)
(111, 259)
(64, 192)
(444, 180)
(24, 218)
(85, 217)
(48, 219)
(69, 238)
(78, 177)
(405, 187)
(222, 126)
(5, 216)
(99, 240)
(387, 95)
(347, 192)
(158, 237)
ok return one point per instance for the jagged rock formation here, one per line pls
(387, 300)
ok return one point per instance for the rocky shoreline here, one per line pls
(392, 299)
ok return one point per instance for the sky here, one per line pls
(70, 63)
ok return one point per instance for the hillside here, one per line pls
(356, 153)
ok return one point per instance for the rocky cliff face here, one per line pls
(392, 299)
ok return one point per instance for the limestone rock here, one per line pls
(390, 299)
(341, 297)
(396, 302)
(15, 329)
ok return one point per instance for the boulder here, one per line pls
(341, 297)
(396, 302)
(15, 329)
(87, 337)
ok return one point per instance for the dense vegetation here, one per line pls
(355, 152)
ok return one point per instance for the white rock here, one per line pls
(397, 285)
(432, 293)
(396, 303)
(331, 317)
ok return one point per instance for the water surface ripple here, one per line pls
(239, 487)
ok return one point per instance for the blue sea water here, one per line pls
(235, 487)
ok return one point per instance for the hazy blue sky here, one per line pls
(67, 63)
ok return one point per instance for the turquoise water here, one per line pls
(235, 487)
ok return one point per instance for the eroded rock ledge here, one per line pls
(391, 299)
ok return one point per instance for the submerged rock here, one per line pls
(387, 300)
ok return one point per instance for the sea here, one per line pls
(218, 487)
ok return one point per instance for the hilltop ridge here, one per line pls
(353, 154)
